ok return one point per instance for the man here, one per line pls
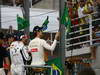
(18, 53)
(37, 45)
(3, 56)
(10, 38)
(97, 14)
(80, 14)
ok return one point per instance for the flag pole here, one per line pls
(61, 51)
(51, 42)
(26, 6)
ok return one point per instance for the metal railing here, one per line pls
(87, 33)
(38, 70)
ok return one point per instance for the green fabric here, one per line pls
(22, 23)
(65, 19)
(56, 65)
(44, 25)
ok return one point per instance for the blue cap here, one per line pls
(37, 29)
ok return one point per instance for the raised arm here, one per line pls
(51, 47)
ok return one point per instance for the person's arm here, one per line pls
(89, 8)
(51, 47)
(25, 53)
(6, 60)
(78, 11)
(89, 12)
(7, 63)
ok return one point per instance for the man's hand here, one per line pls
(57, 35)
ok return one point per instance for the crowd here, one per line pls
(84, 14)
(16, 51)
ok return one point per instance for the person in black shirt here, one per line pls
(3, 56)
(97, 14)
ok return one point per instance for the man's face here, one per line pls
(40, 34)
(81, 3)
(11, 39)
(25, 41)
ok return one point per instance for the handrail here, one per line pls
(82, 42)
(77, 43)
(95, 39)
(78, 25)
(95, 19)
(45, 66)
(77, 37)
(84, 23)
(84, 16)
(79, 31)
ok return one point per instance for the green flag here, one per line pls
(22, 23)
(56, 65)
(44, 25)
(65, 19)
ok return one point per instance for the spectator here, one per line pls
(3, 56)
(10, 38)
(96, 35)
(81, 14)
(10, 30)
(97, 10)
(88, 8)
(80, 10)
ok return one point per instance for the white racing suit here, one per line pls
(18, 52)
(36, 46)
(2, 71)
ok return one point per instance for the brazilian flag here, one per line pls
(22, 23)
(57, 66)
(45, 23)
(65, 19)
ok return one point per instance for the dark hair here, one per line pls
(87, 71)
(9, 35)
(82, 0)
(35, 30)
(34, 34)
(1, 35)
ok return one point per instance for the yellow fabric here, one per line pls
(81, 32)
(82, 21)
(91, 1)
(56, 68)
(88, 3)
(86, 8)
